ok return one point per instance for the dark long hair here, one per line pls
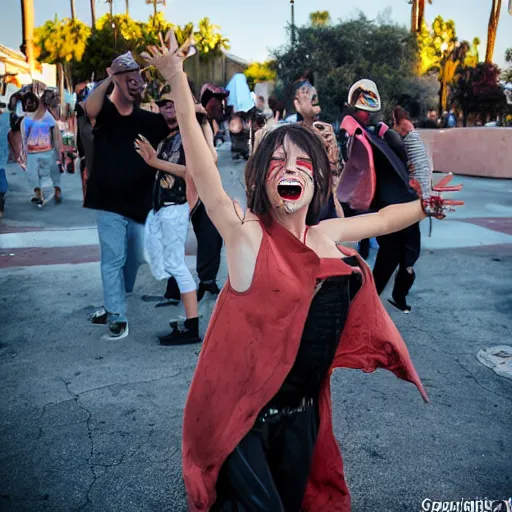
(399, 113)
(257, 167)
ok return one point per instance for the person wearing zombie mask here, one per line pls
(257, 427)
(308, 109)
(120, 184)
(41, 141)
(377, 155)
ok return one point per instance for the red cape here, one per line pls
(251, 344)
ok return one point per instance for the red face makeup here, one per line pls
(290, 182)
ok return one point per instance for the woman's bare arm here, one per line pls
(388, 220)
(200, 162)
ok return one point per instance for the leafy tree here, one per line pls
(507, 74)
(320, 18)
(61, 42)
(121, 25)
(113, 36)
(209, 39)
(338, 55)
(434, 43)
(477, 90)
(157, 24)
(472, 56)
(84, 53)
(440, 51)
(261, 72)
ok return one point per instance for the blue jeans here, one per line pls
(122, 253)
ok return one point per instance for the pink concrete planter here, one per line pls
(485, 152)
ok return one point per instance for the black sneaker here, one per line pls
(401, 305)
(207, 286)
(116, 331)
(183, 333)
(99, 317)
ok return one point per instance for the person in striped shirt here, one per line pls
(417, 156)
(420, 170)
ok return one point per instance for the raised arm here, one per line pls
(208, 136)
(200, 162)
(94, 102)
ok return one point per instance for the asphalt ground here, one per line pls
(92, 425)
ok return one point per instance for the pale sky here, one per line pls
(254, 27)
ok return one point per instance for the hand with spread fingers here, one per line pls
(146, 150)
(168, 57)
(433, 204)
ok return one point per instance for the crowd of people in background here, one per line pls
(257, 431)
(120, 145)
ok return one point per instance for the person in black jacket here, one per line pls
(400, 249)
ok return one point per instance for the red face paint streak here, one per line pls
(307, 164)
(274, 167)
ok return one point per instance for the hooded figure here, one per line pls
(239, 94)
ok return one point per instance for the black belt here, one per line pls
(272, 412)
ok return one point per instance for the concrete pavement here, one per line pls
(95, 426)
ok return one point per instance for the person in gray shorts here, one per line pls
(41, 143)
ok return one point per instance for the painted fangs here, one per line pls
(290, 183)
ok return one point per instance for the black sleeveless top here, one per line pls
(322, 332)
(168, 188)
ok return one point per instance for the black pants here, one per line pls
(209, 245)
(268, 471)
(402, 250)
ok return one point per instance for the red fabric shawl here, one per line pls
(251, 344)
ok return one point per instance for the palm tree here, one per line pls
(93, 13)
(417, 14)
(155, 3)
(320, 18)
(110, 6)
(27, 20)
(492, 28)
(73, 13)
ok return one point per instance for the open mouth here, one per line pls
(134, 92)
(289, 190)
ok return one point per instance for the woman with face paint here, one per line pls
(257, 430)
